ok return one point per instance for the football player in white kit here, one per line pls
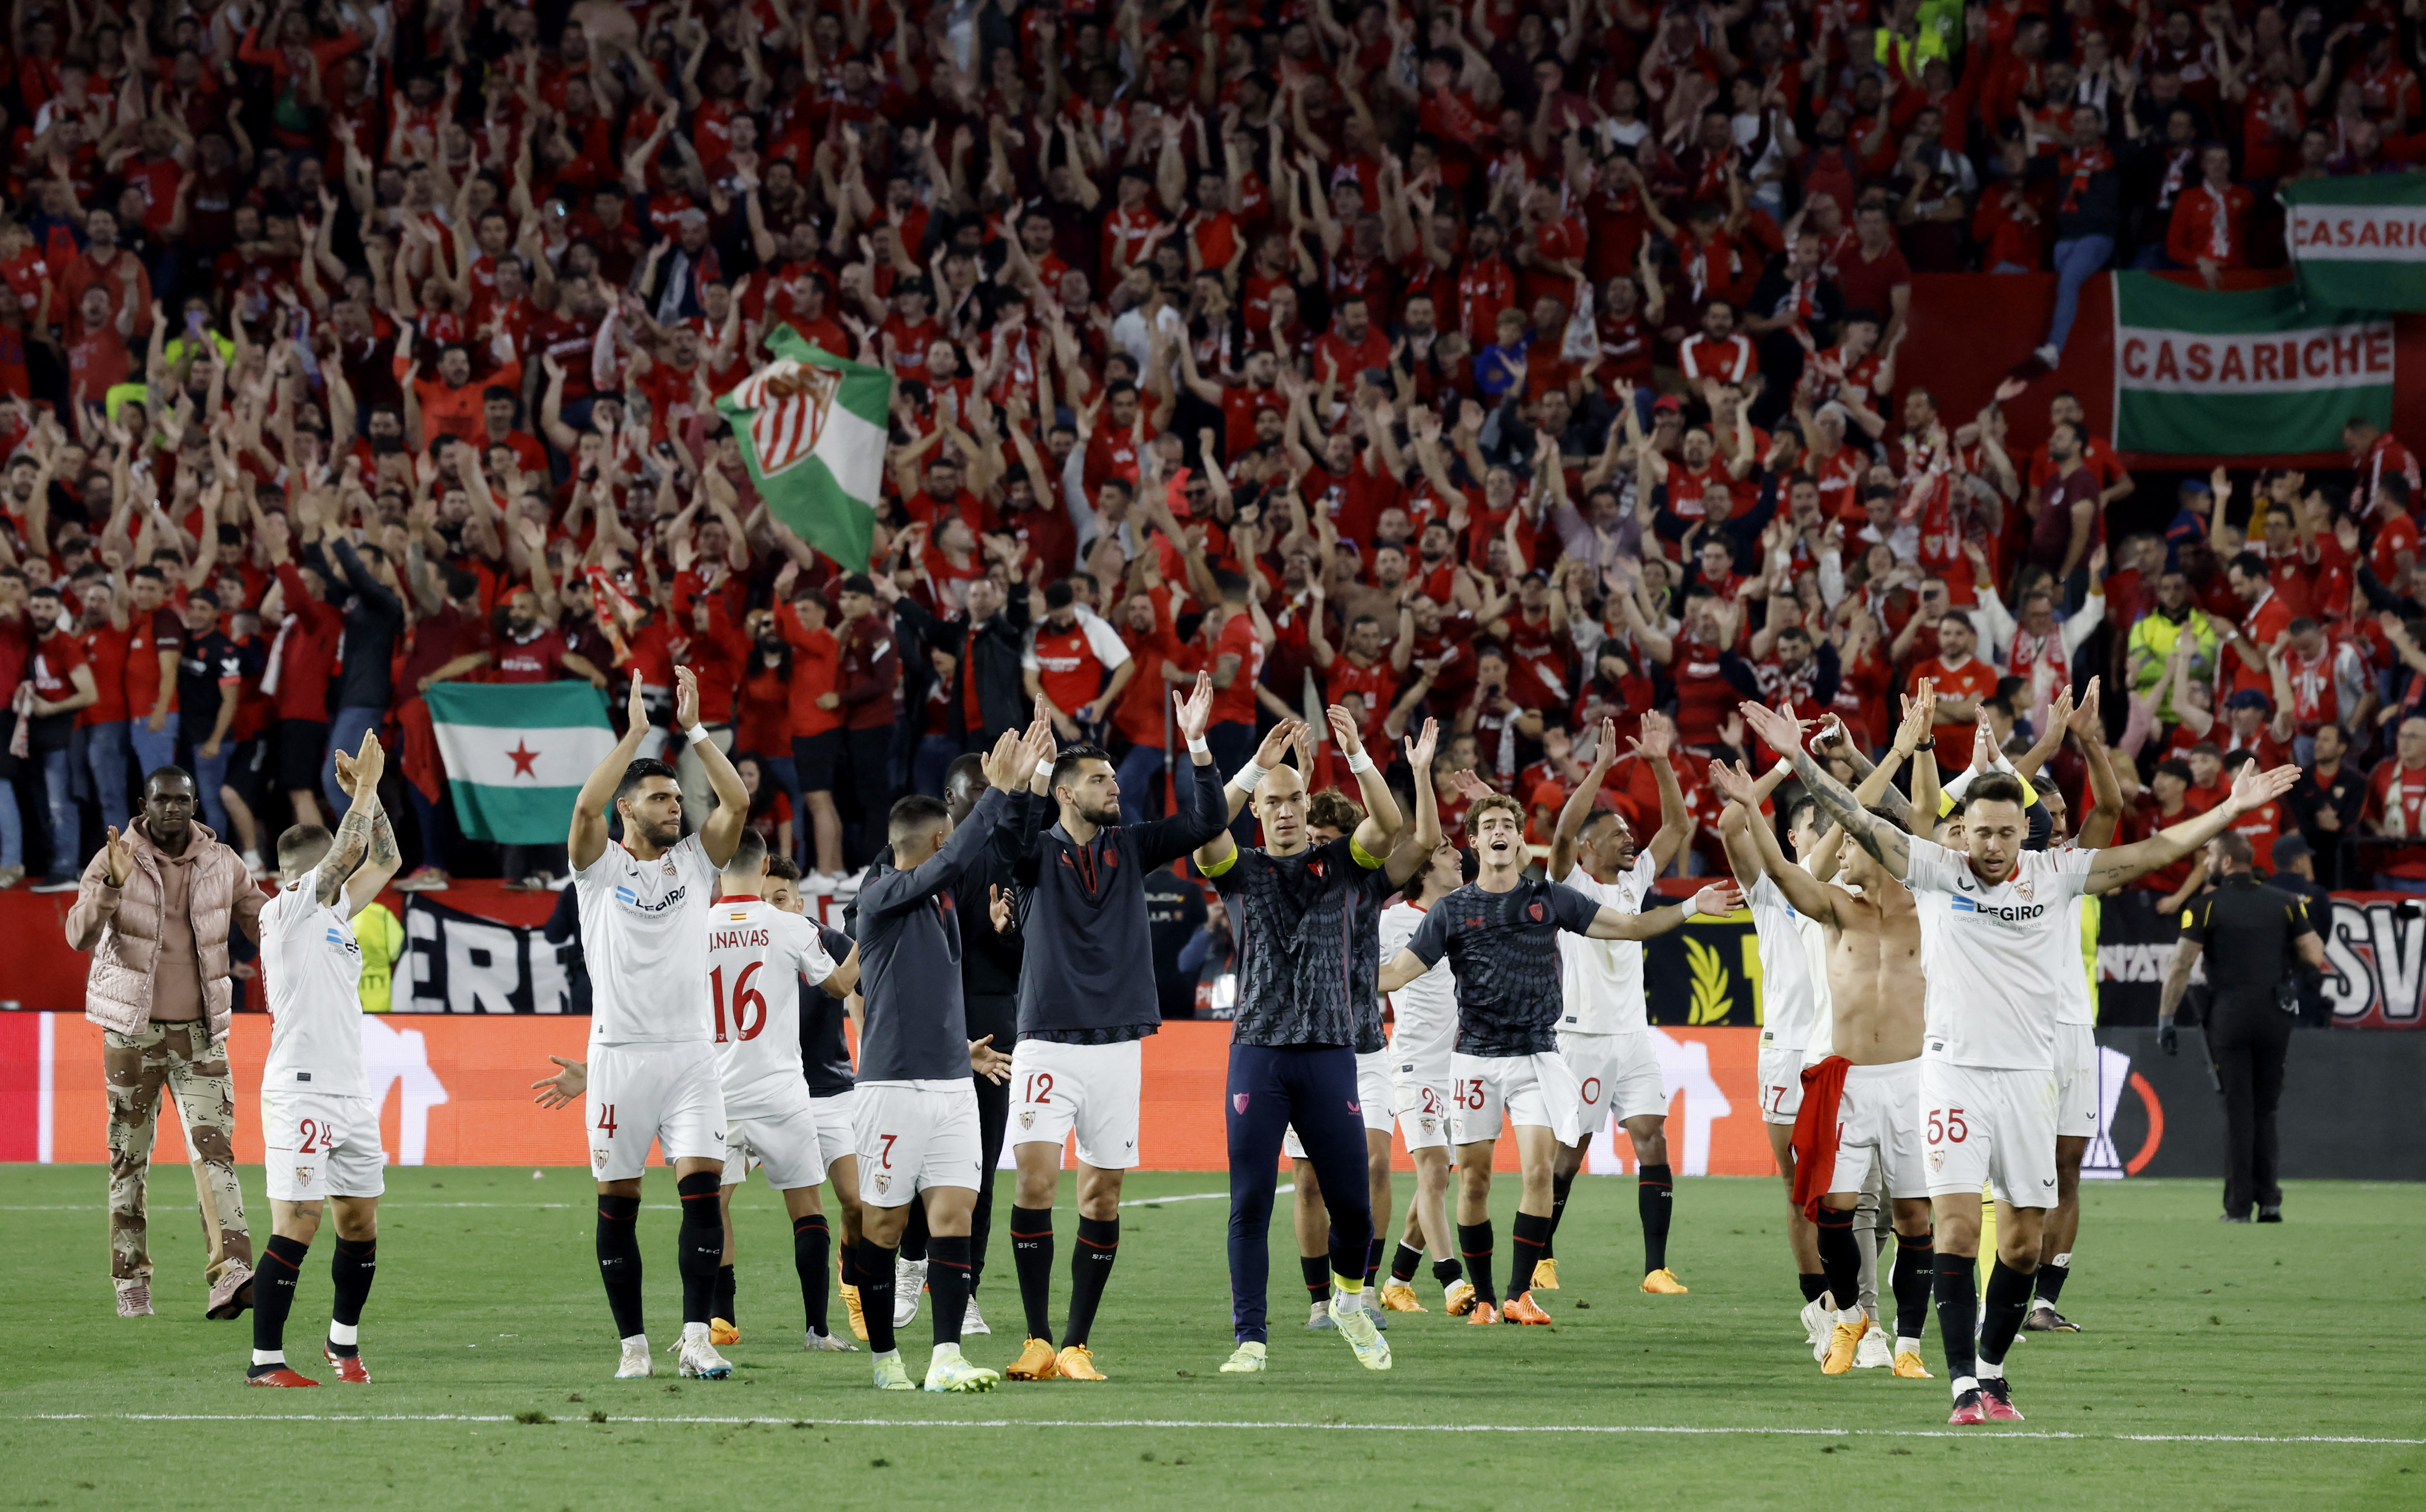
(756, 965)
(319, 1126)
(1818, 849)
(2075, 1036)
(1423, 1039)
(1604, 1034)
(653, 1070)
(1987, 1081)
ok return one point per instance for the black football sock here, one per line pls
(351, 1269)
(2051, 1276)
(1372, 1259)
(947, 1280)
(1655, 1193)
(1404, 1261)
(1316, 1270)
(875, 1294)
(1090, 1266)
(2001, 1313)
(1474, 1243)
(1559, 1187)
(1958, 1307)
(619, 1261)
(723, 1305)
(1840, 1258)
(809, 1243)
(273, 1297)
(914, 1233)
(1911, 1274)
(699, 1247)
(1448, 1272)
(1815, 1284)
(1528, 1244)
(1032, 1256)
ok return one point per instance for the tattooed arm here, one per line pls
(1891, 847)
(381, 861)
(360, 775)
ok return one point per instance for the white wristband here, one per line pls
(1692, 906)
(1198, 747)
(1360, 763)
(1248, 777)
(1044, 766)
(696, 735)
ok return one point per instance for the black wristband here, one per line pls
(1931, 744)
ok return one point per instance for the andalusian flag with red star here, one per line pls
(517, 754)
(813, 428)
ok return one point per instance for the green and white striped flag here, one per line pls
(2359, 243)
(2247, 373)
(813, 428)
(517, 754)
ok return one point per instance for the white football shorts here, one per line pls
(1781, 1085)
(1534, 1091)
(914, 1135)
(663, 1091)
(779, 1134)
(1093, 1089)
(1878, 1123)
(315, 1146)
(1615, 1075)
(2076, 1081)
(1994, 1126)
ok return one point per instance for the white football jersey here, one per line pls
(1424, 1012)
(756, 956)
(2074, 1005)
(312, 969)
(1601, 980)
(1818, 1044)
(1786, 1002)
(644, 936)
(1997, 959)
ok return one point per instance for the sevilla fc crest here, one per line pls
(302, 1175)
(1536, 911)
(2022, 889)
(883, 1182)
(1238, 1101)
(1028, 1119)
(792, 401)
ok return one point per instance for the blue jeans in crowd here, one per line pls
(346, 732)
(152, 751)
(210, 776)
(12, 827)
(58, 783)
(787, 776)
(104, 757)
(2077, 260)
(1140, 777)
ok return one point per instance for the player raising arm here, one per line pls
(1987, 1079)
(1604, 1035)
(644, 907)
(1495, 932)
(319, 1124)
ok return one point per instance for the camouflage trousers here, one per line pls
(139, 1066)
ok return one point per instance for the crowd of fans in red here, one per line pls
(1513, 365)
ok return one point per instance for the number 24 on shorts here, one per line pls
(1945, 1126)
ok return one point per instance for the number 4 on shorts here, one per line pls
(606, 1119)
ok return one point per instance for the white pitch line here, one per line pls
(1650, 1430)
(1282, 1190)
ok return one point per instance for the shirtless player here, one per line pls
(1862, 1103)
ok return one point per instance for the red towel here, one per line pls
(1814, 1131)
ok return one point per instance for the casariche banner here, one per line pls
(2359, 243)
(2251, 373)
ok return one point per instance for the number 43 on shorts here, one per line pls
(1945, 1126)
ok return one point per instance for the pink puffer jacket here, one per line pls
(121, 928)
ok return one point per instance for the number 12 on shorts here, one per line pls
(1038, 1087)
(1945, 1126)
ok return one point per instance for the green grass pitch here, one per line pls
(2223, 1367)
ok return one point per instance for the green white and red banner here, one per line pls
(2359, 243)
(2250, 373)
